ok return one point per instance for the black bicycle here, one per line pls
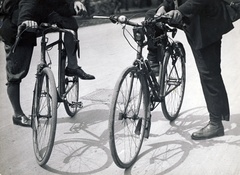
(46, 95)
(138, 90)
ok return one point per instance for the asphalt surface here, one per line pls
(81, 144)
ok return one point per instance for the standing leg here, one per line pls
(17, 66)
(208, 62)
(13, 91)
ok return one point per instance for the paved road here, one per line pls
(81, 145)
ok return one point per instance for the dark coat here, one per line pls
(209, 20)
(36, 10)
(39, 9)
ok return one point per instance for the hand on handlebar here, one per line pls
(29, 24)
(161, 11)
(175, 16)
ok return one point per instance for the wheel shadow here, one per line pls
(164, 156)
(78, 157)
(81, 144)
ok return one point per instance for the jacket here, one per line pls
(40, 9)
(209, 20)
(35, 10)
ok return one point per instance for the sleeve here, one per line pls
(188, 7)
(193, 7)
(67, 8)
(26, 8)
(168, 4)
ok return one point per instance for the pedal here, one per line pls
(138, 127)
(78, 104)
(148, 127)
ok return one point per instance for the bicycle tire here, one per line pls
(71, 102)
(44, 115)
(173, 81)
(70, 87)
(128, 114)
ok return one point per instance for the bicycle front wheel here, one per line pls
(44, 115)
(173, 82)
(128, 115)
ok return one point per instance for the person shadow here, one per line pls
(174, 145)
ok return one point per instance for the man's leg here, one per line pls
(72, 47)
(154, 52)
(17, 66)
(13, 91)
(208, 62)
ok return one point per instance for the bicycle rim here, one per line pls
(44, 116)
(128, 114)
(173, 85)
(71, 103)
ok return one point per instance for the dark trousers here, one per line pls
(208, 62)
(154, 54)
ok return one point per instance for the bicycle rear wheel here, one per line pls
(69, 87)
(44, 115)
(71, 103)
(173, 82)
(128, 114)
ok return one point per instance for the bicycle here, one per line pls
(46, 95)
(139, 91)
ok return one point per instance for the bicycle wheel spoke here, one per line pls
(44, 116)
(174, 86)
(129, 107)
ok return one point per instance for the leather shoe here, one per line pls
(213, 129)
(22, 120)
(79, 73)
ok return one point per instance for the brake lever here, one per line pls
(21, 28)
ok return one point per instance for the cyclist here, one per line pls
(31, 13)
(208, 22)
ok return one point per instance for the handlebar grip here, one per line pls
(124, 20)
(167, 20)
(163, 18)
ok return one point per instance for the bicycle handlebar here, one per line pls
(42, 29)
(124, 20)
(118, 19)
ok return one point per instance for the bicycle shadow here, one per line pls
(78, 157)
(81, 145)
(164, 156)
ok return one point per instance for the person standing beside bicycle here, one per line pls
(208, 21)
(31, 13)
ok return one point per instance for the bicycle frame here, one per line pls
(153, 82)
(61, 62)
